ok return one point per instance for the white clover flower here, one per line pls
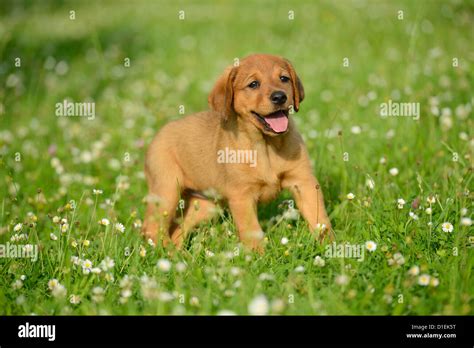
(424, 280)
(465, 221)
(53, 236)
(104, 222)
(107, 264)
(393, 171)
(350, 196)
(119, 227)
(259, 305)
(319, 261)
(370, 183)
(59, 291)
(17, 227)
(447, 227)
(284, 241)
(413, 215)
(370, 246)
(163, 265)
(342, 279)
(299, 269)
(180, 267)
(414, 270)
(401, 202)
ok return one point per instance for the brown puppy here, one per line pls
(245, 151)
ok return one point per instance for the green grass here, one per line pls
(175, 62)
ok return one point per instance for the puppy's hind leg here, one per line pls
(164, 189)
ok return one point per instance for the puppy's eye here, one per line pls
(284, 79)
(254, 84)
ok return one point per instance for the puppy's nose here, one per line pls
(278, 97)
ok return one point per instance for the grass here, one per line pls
(50, 165)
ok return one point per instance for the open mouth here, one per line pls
(276, 122)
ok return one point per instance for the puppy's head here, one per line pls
(261, 89)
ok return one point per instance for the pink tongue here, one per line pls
(278, 121)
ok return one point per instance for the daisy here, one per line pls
(414, 270)
(56, 219)
(399, 259)
(52, 284)
(96, 270)
(447, 227)
(319, 261)
(370, 246)
(401, 202)
(151, 243)
(424, 279)
(393, 171)
(107, 264)
(86, 266)
(465, 221)
(434, 282)
(163, 265)
(284, 241)
(258, 306)
(17, 227)
(119, 227)
(350, 196)
(64, 228)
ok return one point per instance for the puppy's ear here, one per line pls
(221, 97)
(298, 90)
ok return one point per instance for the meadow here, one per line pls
(397, 187)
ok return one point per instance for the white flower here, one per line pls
(75, 299)
(414, 270)
(17, 227)
(413, 215)
(370, 183)
(299, 269)
(465, 221)
(319, 261)
(428, 211)
(401, 202)
(399, 259)
(86, 242)
(431, 199)
(370, 246)
(393, 171)
(52, 284)
(53, 236)
(56, 219)
(119, 227)
(104, 222)
(209, 253)
(284, 241)
(258, 306)
(59, 291)
(17, 284)
(96, 270)
(107, 264)
(97, 192)
(194, 301)
(64, 228)
(463, 211)
(383, 160)
(75, 260)
(163, 265)
(434, 282)
(424, 279)
(151, 242)
(180, 267)
(342, 279)
(350, 196)
(86, 266)
(447, 227)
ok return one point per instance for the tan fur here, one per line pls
(183, 156)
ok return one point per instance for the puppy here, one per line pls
(244, 151)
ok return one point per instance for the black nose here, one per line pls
(278, 97)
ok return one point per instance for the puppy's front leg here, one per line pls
(310, 201)
(244, 212)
